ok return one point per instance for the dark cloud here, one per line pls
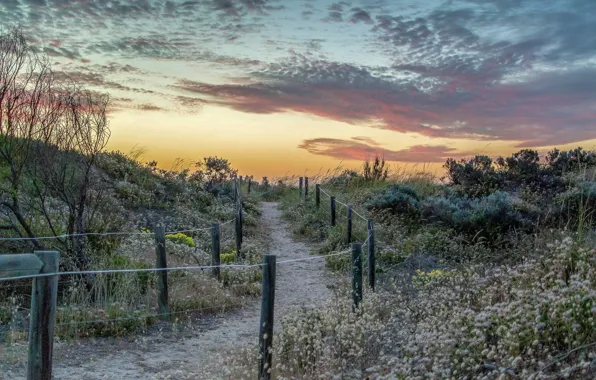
(148, 107)
(337, 7)
(57, 51)
(95, 79)
(152, 46)
(306, 14)
(357, 150)
(360, 15)
(238, 8)
(334, 17)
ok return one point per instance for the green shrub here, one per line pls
(489, 217)
(398, 199)
(133, 196)
(180, 238)
(476, 176)
(228, 258)
(577, 205)
(559, 162)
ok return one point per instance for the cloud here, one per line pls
(148, 107)
(476, 69)
(334, 17)
(366, 140)
(550, 108)
(355, 149)
(95, 79)
(360, 15)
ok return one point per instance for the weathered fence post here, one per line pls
(356, 274)
(349, 226)
(318, 195)
(249, 183)
(44, 294)
(300, 186)
(238, 231)
(371, 255)
(236, 192)
(266, 326)
(305, 188)
(162, 275)
(333, 211)
(215, 250)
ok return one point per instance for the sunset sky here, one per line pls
(286, 86)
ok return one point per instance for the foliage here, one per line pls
(559, 162)
(577, 204)
(213, 173)
(531, 320)
(180, 238)
(228, 258)
(477, 176)
(490, 216)
(398, 199)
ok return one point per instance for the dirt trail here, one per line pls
(193, 356)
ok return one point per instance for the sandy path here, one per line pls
(193, 357)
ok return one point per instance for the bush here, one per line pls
(398, 199)
(559, 162)
(180, 238)
(133, 196)
(489, 217)
(228, 258)
(577, 205)
(476, 176)
(533, 320)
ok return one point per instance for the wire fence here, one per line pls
(217, 270)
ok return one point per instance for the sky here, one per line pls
(296, 87)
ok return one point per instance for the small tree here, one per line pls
(50, 136)
(29, 108)
(65, 166)
(213, 172)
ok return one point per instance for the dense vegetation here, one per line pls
(61, 190)
(487, 273)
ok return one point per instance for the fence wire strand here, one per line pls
(131, 233)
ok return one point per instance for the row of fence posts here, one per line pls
(349, 225)
(248, 183)
(44, 289)
(268, 285)
(161, 261)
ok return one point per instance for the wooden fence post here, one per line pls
(333, 211)
(236, 192)
(349, 226)
(356, 274)
(371, 255)
(305, 188)
(215, 250)
(266, 326)
(300, 186)
(162, 275)
(249, 183)
(318, 195)
(238, 232)
(44, 294)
